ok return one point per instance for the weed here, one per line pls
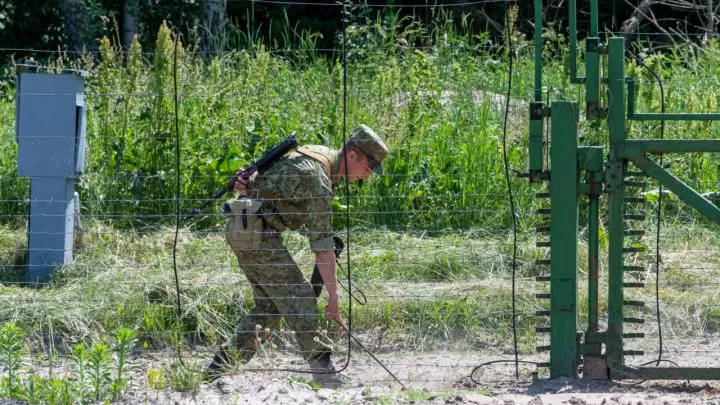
(306, 383)
(79, 357)
(185, 377)
(99, 370)
(11, 351)
(156, 380)
(125, 341)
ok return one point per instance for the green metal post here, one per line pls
(592, 79)
(675, 116)
(537, 109)
(593, 268)
(563, 240)
(591, 161)
(592, 68)
(666, 373)
(614, 176)
(538, 50)
(572, 38)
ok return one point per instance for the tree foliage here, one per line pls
(76, 25)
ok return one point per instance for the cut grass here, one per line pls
(455, 292)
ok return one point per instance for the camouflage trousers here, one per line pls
(280, 291)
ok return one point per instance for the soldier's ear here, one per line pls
(352, 154)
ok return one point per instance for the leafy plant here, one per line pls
(11, 357)
(99, 370)
(125, 341)
(79, 358)
(185, 377)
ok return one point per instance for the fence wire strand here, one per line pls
(430, 247)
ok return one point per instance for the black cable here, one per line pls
(657, 363)
(348, 328)
(508, 24)
(511, 197)
(363, 299)
(658, 212)
(177, 195)
(344, 16)
(477, 368)
(374, 358)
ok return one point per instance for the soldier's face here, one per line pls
(358, 166)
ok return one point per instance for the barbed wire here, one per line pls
(368, 4)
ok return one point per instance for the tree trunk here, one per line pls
(709, 22)
(631, 25)
(76, 24)
(131, 11)
(214, 19)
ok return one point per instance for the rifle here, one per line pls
(266, 161)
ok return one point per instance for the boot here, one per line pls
(220, 364)
(225, 359)
(324, 372)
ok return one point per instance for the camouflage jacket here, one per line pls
(303, 191)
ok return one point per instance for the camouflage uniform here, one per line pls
(297, 194)
(304, 195)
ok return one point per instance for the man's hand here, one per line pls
(325, 261)
(333, 310)
(241, 183)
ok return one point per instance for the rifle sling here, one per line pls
(320, 157)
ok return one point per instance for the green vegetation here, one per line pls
(97, 372)
(430, 242)
(438, 108)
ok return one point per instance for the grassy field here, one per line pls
(423, 294)
(430, 242)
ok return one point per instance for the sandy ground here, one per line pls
(433, 378)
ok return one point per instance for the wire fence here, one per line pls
(428, 244)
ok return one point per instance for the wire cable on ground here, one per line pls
(479, 367)
(374, 358)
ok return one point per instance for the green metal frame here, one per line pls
(563, 229)
(576, 172)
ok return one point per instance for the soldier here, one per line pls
(296, 192)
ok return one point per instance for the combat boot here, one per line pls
(324, 372)
(219, 365)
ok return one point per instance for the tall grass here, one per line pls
(239, 104)
(433, 92)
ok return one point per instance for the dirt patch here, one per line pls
(433, 378)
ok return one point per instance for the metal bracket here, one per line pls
(592, 44)
(538, 111)
(613, 175)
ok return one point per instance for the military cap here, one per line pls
(367, 141)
